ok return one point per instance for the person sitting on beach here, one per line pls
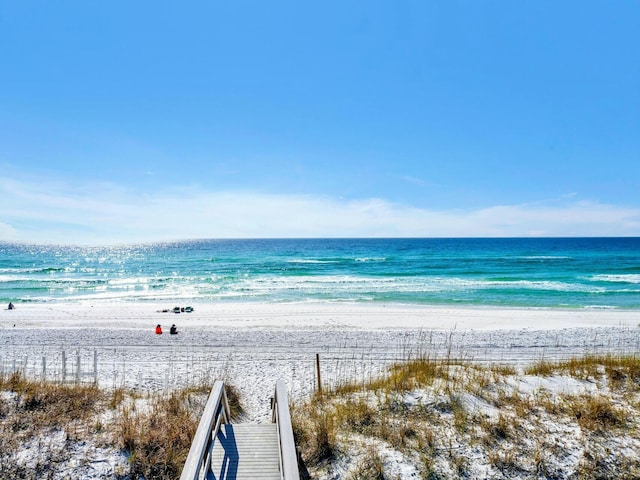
(173, 330)
(159, 329)
(11, 306)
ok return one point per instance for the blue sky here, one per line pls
(143, 121)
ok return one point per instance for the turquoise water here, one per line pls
(539, 272)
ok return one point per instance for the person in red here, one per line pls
(159, 329)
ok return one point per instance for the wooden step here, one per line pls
(246, 451)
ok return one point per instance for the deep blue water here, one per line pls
(531, 272)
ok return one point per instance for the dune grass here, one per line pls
(445, 418)
(452, 419)
(153, 430)
(619, 371)
(32, 411)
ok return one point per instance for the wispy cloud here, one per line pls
(108, 213)
(414, 180)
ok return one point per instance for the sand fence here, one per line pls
(251, 355)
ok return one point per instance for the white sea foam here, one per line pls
(621, 278)
(281, 288)
(543, 257)
(49, 280)
(355, 284)
(129, 281)
(311, 261)
(11, 278)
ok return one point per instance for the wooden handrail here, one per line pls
(287, 446)
(215, 413)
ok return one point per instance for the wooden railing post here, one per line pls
(282, 416)
(215, 413)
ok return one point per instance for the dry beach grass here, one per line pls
(43, 424)
(425, 418)
(438, 419)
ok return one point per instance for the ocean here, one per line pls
(516, 272)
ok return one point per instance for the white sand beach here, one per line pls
(253, 344)
(359, 316)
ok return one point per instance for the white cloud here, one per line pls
(107, 213)
(414, 180)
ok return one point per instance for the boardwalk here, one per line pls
(246, 451)
(222, 450)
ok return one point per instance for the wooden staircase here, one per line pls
(225, 451)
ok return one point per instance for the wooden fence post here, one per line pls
(78, 367)
(318, 373)
(64, 366)
(95, 367)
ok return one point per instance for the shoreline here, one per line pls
(310, 315)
